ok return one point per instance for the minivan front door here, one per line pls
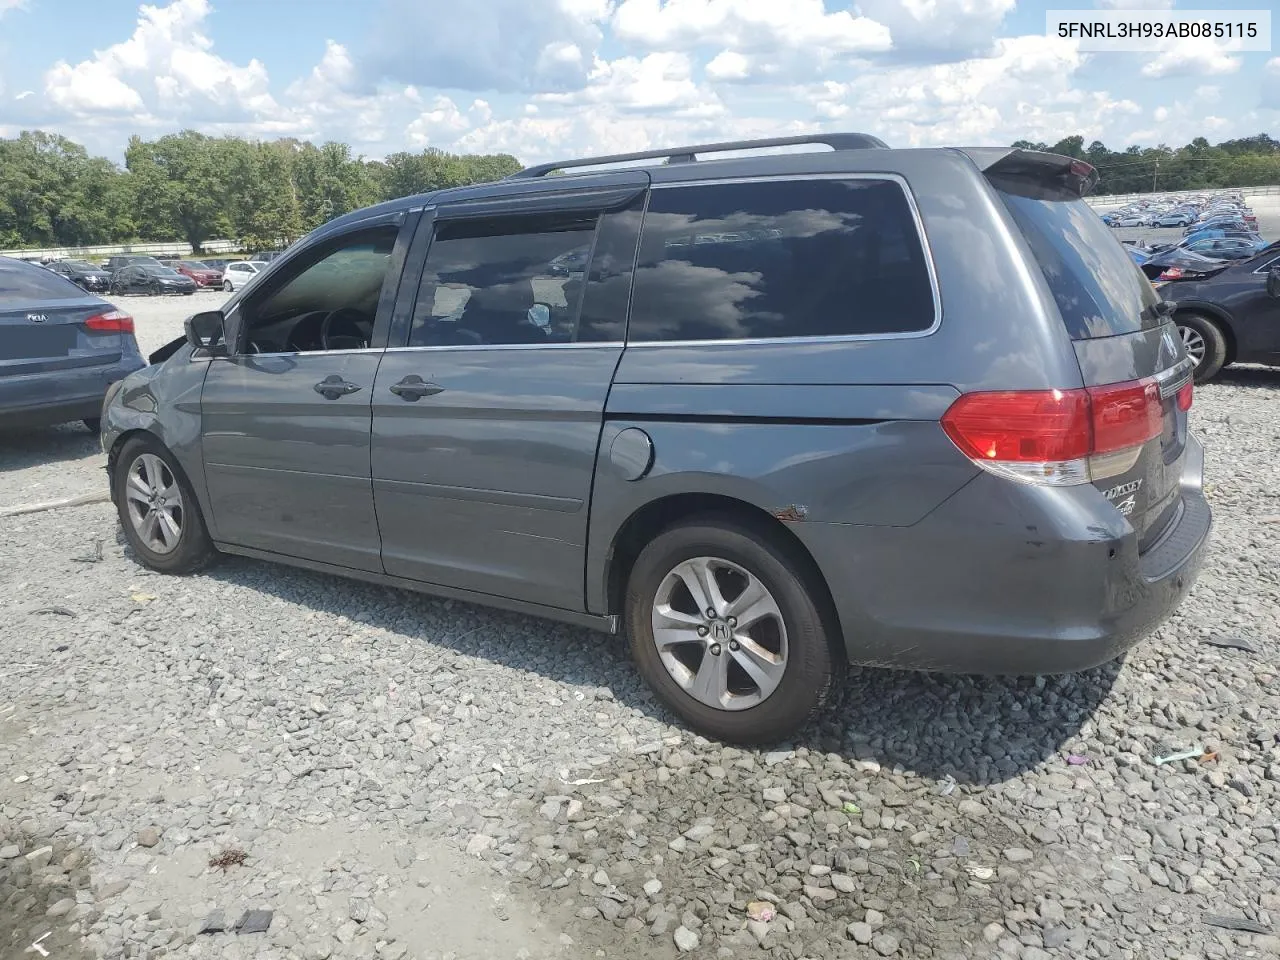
(485, 424)
(285, 419)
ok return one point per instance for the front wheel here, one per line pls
(727, 631)
(158, 511)
(226, 286)
(1204, 342)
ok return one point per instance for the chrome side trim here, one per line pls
(459, 347)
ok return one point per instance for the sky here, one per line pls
(550, 79)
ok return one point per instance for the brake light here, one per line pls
(114, 321)
(1172, 273)
(1058, 437)
(1185, 396)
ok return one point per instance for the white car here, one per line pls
(237, 274)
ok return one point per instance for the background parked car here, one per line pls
(60, 348)
(203, 274)
(1175, 263)
(1231, 315)
(152, 279)
(83, 274)
(123, 260)
(1227, 248)
(240, 272)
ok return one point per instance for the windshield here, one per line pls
(160, 271)
(1099, 290)
(78, 265)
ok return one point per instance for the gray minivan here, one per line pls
(769, 415)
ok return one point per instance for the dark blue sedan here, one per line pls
(60, 348)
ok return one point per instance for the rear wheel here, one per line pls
(726, 631)
(158, 511)
(226, 285)
(1205, 343)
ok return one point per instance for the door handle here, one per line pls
(413, 388)
(333, 386)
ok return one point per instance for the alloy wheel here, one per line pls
(155, 505)
(1194, 343)
(720, 633)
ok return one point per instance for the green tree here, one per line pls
(180, 186)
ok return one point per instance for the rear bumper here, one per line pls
(1009, 580)
(43, 399)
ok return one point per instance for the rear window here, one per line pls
(1099, 290)
(20, 282)
(787, 258)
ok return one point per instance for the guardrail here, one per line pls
(110, 250)
(1120, 199)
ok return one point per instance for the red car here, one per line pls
(203, 274)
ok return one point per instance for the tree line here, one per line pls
(191, 187)
(1245, 162)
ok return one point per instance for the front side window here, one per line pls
(786, 258)
(328, 301)
(504, 280)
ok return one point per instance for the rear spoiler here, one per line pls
(1034, 173)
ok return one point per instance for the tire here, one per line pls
(192, 548)
(1198, 330)
(807, 665)
(94, 424)
(227, 287)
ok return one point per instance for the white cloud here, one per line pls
(7, 5)
(168, 61)
(1026, 90)
(92, 86)
(934, 30)
(442, 122)
(24, 94)
(747, 25)
(1271, 84)
(1192, 57)
(483, 45)
(659, 82)
(1161, 114)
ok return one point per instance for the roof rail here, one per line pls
(836, 141)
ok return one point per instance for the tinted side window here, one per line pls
(325, 301)
(23, 282)
(796, 258)
(604, 308)
(503, 280)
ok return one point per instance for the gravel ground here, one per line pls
(408, 777)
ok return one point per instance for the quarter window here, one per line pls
(795, 258)
(504, 280)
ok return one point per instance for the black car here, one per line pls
(124, 260)
(83, 274)
(1231, 316)
(151, 279)
(1178, 263)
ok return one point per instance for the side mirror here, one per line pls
(1273, 282)
(204, 332)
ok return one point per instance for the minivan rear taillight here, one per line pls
(1058, 437)
(114, 321)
